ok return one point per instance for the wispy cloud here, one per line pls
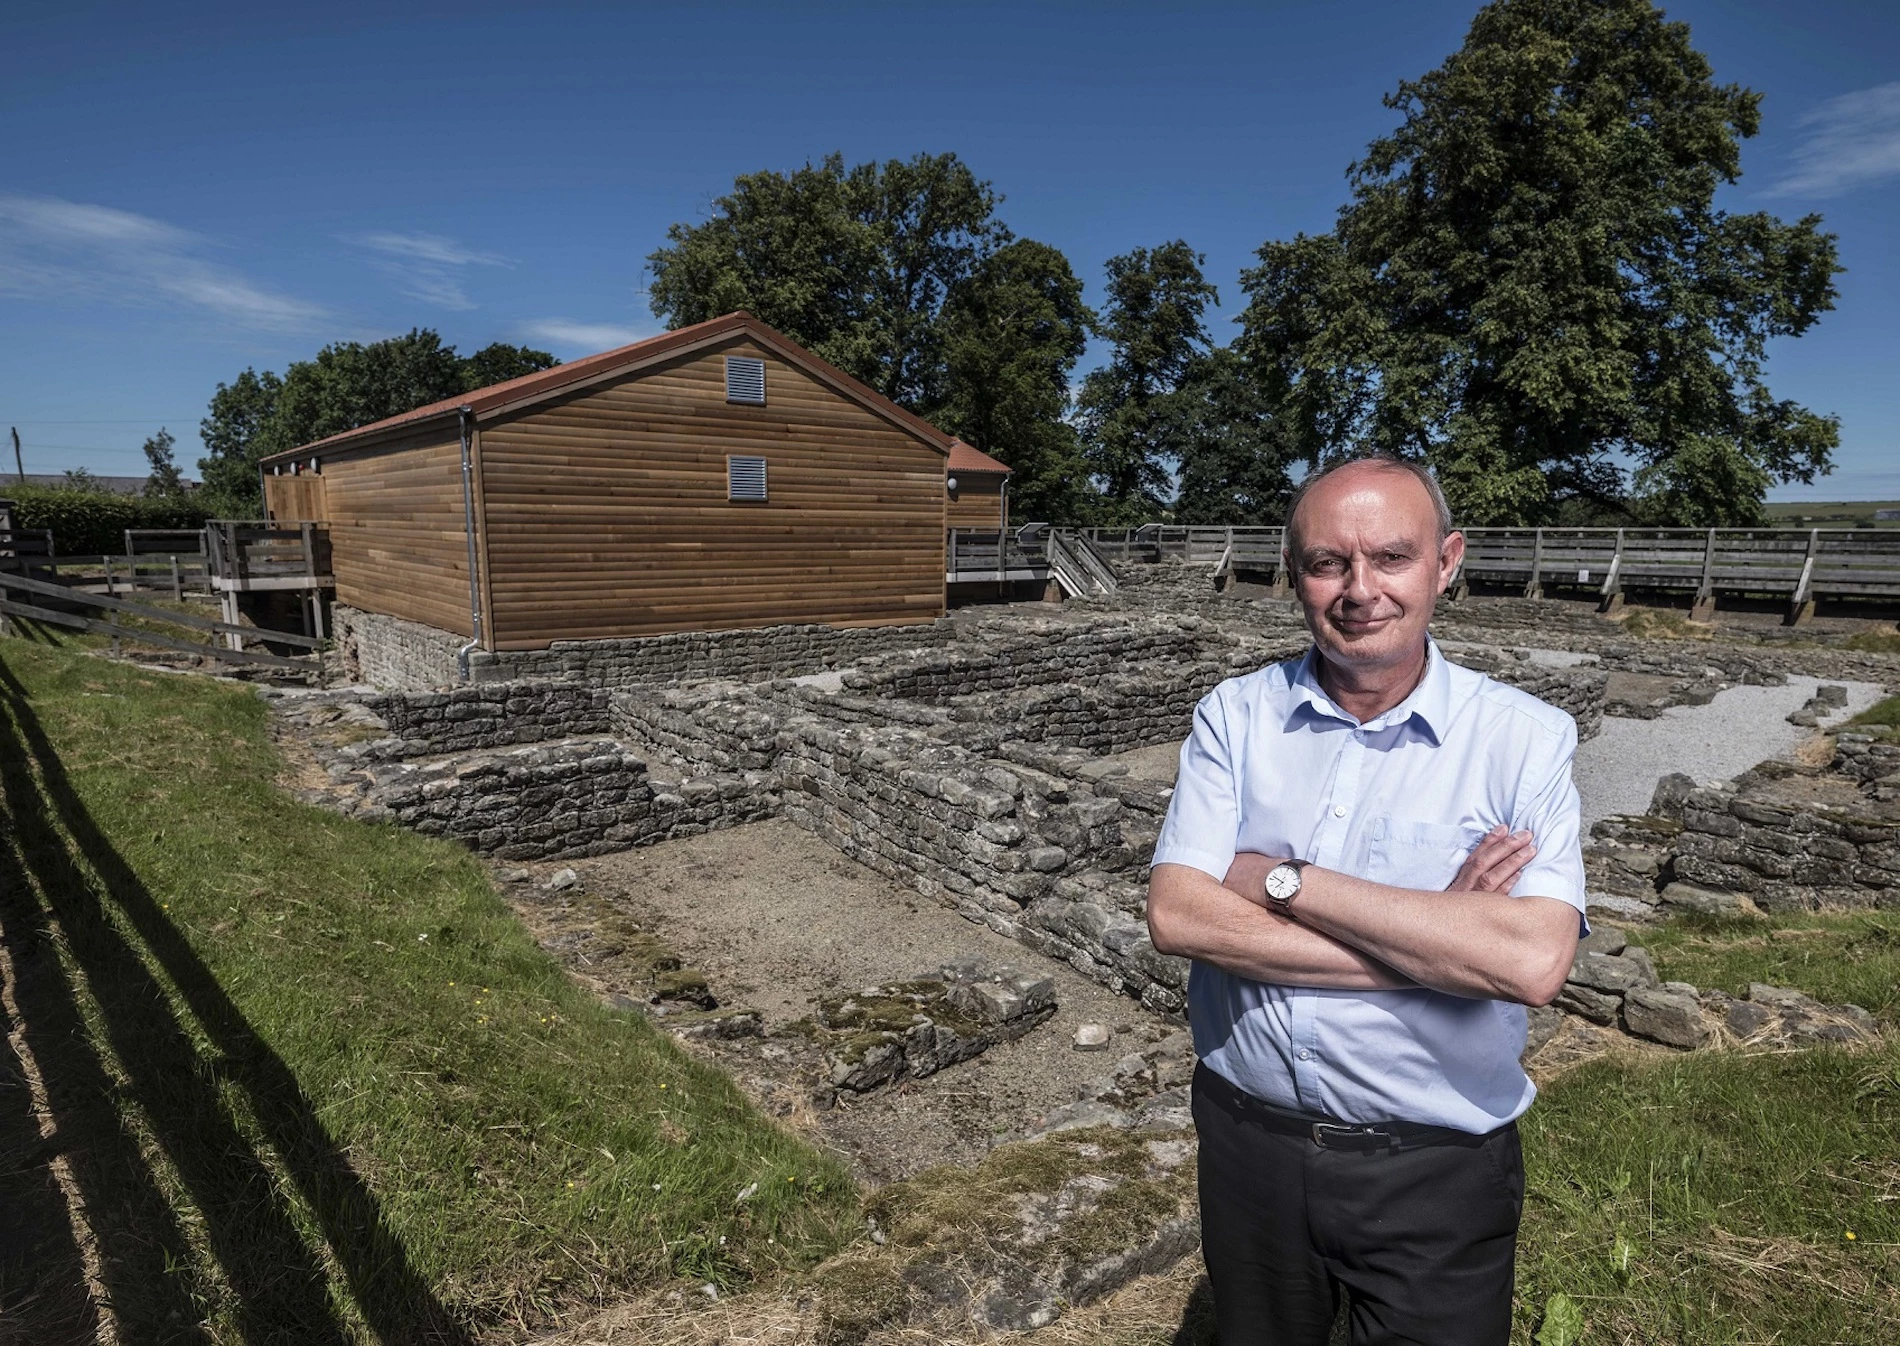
(584, 337)
(1850, 141)
(426, 266)
(50, 248)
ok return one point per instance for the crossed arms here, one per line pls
(1353, 934)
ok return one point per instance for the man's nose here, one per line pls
(1360, 585)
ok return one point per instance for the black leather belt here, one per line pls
(1329, 1133)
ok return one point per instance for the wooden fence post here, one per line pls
(1534, 588)
(1612, 599)
(1801, 608)
(178, 583)
(1704, 606)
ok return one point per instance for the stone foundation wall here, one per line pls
(1035, 858)
(765, 652)
(1042, 654)
(1758, 835)
(1112, 715)
(408, 656)
(556, 801)
(491, 716)
(390, 652)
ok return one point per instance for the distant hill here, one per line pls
(1834, 513)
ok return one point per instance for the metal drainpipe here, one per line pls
(468, 527)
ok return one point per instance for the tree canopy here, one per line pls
(901, 274)
(1532, 288)
(345, 385)
(1156, 331)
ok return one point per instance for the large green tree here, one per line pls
(1011, 336)
(345, 385)
(1156, 331)
(1234, 451)
(901, 274)
(856, 264)
(1532, 288)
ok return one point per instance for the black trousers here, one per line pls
(1421, 1239)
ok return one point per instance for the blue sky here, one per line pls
(188, 189)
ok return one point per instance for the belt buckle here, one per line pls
(1326, 1132)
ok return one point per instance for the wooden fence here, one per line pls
(54, 604)
(1799, 565)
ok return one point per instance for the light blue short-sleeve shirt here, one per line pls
(1274, 766)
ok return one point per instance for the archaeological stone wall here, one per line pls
(553, 801)
(390, 652)
(492, 715)
(408, 656)
(1791, 839)
(1033, 653)
(976, 769)
(768, 652)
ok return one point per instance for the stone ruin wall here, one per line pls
(1781, 837)
(973, 773)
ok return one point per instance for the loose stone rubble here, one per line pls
(915, 1028)
(1613, 983)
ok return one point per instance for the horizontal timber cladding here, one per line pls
(606, 512)
(398, 535)
(978, 502)
(289, 499)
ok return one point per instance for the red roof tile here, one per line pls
(969, 458)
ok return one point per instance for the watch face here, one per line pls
(1282, 882)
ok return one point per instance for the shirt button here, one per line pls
(1306, 1055)
(1339, 810)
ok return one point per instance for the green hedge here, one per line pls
(93, 523)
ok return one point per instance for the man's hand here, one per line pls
(1248, 876)
(1493, 865)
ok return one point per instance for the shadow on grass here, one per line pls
(279, 1283)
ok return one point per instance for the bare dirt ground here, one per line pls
(774, 918)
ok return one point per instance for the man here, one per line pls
(1373, 858)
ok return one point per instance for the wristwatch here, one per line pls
(1283, 885)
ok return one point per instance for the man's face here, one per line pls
(1368, 570)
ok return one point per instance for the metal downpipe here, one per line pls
(466, 415)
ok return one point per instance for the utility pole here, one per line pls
(18, 466)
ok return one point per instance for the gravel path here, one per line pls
(1617, 771)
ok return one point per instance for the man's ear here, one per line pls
(1450, 556)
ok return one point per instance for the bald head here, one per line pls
(1355, 472)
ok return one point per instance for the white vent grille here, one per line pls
(745, 380)
(745, 478)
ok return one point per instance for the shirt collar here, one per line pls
(1429, 703)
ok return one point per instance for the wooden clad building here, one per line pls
(717, 476)
(977, 489)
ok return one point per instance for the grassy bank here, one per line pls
(312, 1081)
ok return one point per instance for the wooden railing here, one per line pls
(975, 555)
(1798, 564)
(247, 555)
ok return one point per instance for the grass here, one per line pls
(1834, 957)
(1717, 1198)
(312, 1080)
(1881, 715)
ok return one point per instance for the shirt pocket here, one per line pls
(1411, 853)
